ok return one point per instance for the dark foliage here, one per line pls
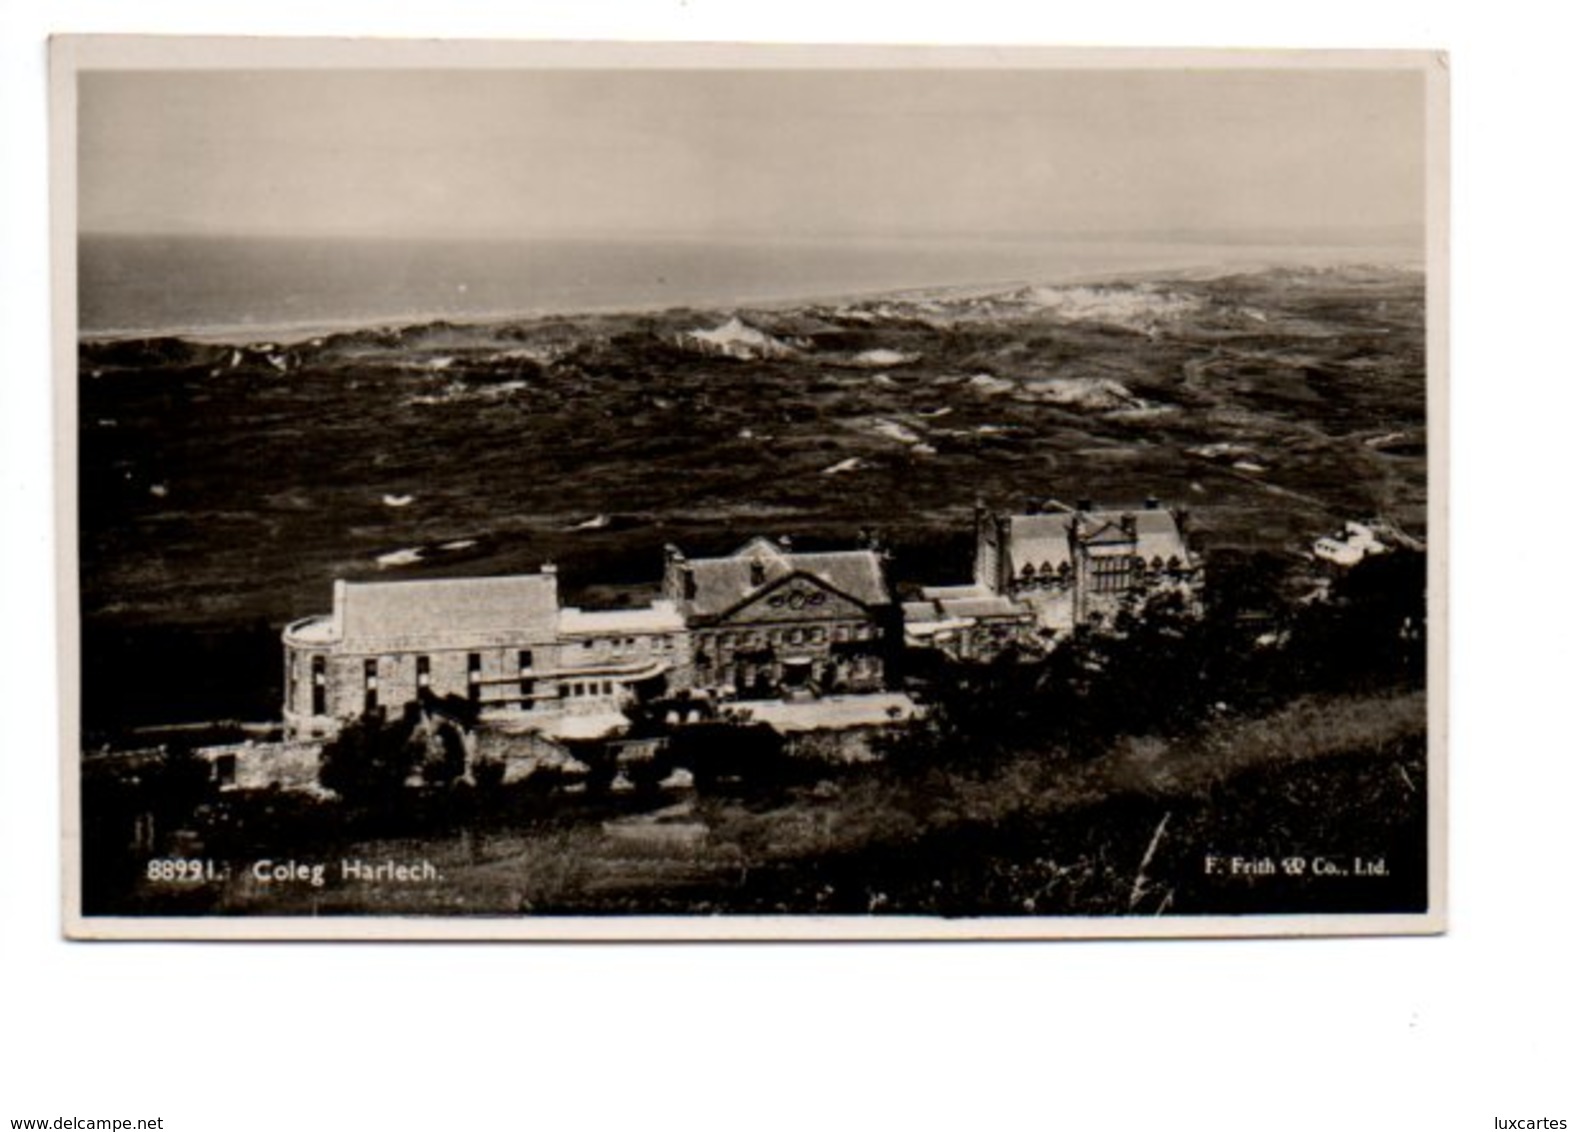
(130, 809)
(368, 762)
(1166, 668)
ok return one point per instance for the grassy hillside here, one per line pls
(223, 488)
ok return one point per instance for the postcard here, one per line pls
(661, 491)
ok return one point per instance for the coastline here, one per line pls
(1331, 257)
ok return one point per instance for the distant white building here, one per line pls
(1354, 544)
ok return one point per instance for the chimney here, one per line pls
(1084, 505)
(1152, 503)
(786, 543)
(549, 569)
(1128, 523)
(672, 553)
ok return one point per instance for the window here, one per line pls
(528, 690)
(225, 770)
(1112, 574)
(525, 659)
(370, 684)
(424, 672)
(320, 689)
(474, 676)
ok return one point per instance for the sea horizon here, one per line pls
(245, 289)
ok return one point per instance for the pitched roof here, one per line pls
(1043, 539)
(1158, 536)
(976, 607)
(447, 612)
(960, 604)
(1038, 541)
(722, 583)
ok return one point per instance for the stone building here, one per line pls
(767, 620)
(1071, 565)
(503, 643)
(966, 622)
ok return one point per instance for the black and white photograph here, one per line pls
(657, 491)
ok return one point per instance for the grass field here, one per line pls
(223, 489)
(1127, 832)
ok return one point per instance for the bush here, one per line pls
(368, 762)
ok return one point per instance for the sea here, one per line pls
(251, 287)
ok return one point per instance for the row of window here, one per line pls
(813, 634)
(424, 665)
(1106, 562)
(1109, 575)
(1113, 575)
(577, 689)
(424, 676)
(624, 644)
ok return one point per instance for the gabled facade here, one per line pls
(765, 619)
(1073, 564)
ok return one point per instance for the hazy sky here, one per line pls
(748, 153)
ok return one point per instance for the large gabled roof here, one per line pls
(447, 612)
(721, 584)
(1042, 540)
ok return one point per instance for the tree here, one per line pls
(368, 762)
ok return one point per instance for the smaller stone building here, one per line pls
(966, 622)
